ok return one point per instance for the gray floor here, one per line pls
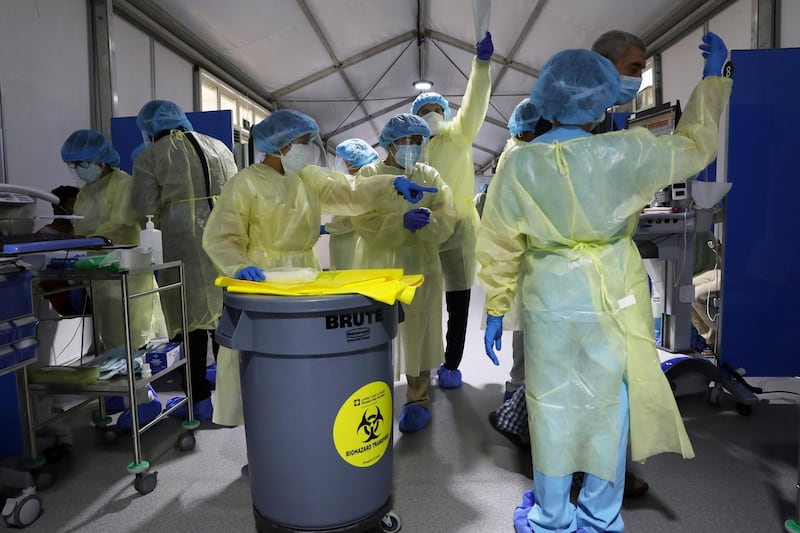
(457, 475)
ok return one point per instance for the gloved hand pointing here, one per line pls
(410, 190)
(251, 273)
(493, 336)
(715, 52)
(416, 219)
(485, 48)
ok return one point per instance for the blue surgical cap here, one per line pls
(357, 152)
(403, 125)
(160, 115)
(431, 98)
(575, 87)
(524, 117)
(281, 128)
(89, 145)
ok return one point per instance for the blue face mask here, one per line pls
(89, 174)
(407, 155)
(628, 87)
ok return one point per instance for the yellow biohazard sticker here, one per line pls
(363, 427)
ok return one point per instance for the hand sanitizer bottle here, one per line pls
(150, 238)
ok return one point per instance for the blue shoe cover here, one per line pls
(414, 417)
(147, 413)
(211, 374)
(116, 404)
(449, 379)
(203, 410)
(521, 512)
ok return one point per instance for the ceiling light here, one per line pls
(423, 85)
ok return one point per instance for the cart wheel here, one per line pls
(110, 435)
(58, 452)
(791, 526)
(390, 522)
(25, 512)
(714, 396)
(43, 479)
(145, 483)
(101, 422)
(186, 441)
(744, 409)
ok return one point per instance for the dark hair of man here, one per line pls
(65, 191)
(615, 43)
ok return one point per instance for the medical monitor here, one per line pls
(660, 120)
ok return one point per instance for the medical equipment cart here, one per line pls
(145, 481)
(17, 351)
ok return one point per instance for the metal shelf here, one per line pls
(116, 385)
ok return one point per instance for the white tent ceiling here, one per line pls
(350, 64)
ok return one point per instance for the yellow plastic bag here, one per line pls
(383, 285)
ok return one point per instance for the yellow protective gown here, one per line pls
(342, 243)
(385, 243)
(105, 206)
(450, 152)
(564, 213)
(270, 220)
(169, 183)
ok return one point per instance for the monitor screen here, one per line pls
(660, 120)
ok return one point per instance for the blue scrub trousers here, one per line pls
(599, 501)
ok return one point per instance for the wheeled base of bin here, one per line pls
(382, 521)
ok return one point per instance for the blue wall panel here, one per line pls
(126, 136)
(761, 290)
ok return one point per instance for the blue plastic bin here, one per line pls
(15, 293)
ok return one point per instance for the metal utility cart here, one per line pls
(145, 481)
(17, 351)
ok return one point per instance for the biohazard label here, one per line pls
(363, 427)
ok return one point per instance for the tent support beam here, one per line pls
(350, 61)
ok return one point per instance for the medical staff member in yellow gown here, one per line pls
(104, 204)
(449, 151)
(354, 153)
(268, 218)
(177, 178)
(393, 235)
(563, 210)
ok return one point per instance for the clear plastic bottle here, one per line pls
(150, 238)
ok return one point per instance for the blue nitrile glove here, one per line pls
(493, 336)
(322, 230)
(715, 52)
(410, 190)
(415, 219)
(251, 273)
(485, 48)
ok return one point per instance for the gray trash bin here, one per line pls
(317, 380)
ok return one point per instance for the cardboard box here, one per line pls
(163, 356)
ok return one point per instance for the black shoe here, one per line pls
(515, 439)
(634, 486)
